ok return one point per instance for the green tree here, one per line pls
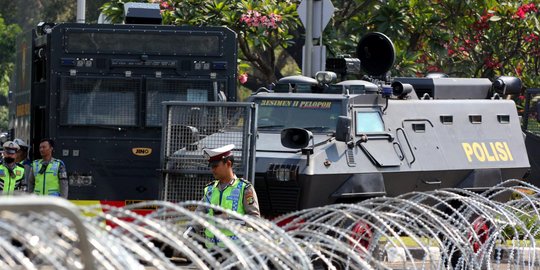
(17, 15)
(476, 38)
(461, 38)
(263, 27)
(28, 13)
(8, 34)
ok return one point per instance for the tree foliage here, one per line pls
(263, 27)
(17, 15)
(471, 38)
(28, 13)
(8, 35)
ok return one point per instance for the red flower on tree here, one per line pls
(532, 37)
(255, 19)
(483, 23)
(522, 11)
(243, 78)
(433, 69)
(519, 70)
(491, 63)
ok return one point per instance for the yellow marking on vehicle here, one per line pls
(22, 110)
(83, 205)
(304, 104)
(276, 103)
(141, 151)
(487, 152)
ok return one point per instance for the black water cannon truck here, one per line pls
(321, 142)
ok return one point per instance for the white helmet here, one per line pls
(21, 143)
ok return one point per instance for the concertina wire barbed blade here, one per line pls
(440, 229)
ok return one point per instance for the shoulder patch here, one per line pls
(249, 197)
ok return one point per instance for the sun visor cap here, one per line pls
(217, 154)
(21, 143)
(11, 147)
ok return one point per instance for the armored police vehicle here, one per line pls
(320, 143)
(97, 89)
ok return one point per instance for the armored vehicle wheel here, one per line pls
(362, 234)
(482, 230)
(290, 223)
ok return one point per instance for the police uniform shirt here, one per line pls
(62, 176)
(251, 203)
(10, 170)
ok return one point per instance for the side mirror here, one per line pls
(188, 134)
(295, 138)
(343, 129)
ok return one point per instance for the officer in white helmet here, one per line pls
(22, 154)
(11, 173)
(22, 158)
(227, 190)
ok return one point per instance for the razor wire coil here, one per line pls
(440, 229)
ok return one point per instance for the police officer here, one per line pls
(11, 173)
(22, 154)
(227, 191)
(22, 158)
(48, 175)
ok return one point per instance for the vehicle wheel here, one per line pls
(362, 233)
(481, 229)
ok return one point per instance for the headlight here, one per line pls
(282, 172)
(325, 77)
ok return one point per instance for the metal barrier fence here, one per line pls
(442, 229)
(529, 108)
(191, 127)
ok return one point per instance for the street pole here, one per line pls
(306, 69)
(81, 10)
(322, 57)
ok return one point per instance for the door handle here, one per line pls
(436, 182)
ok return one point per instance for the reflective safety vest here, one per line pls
(232, 198)
(7, 183)
(47, 183)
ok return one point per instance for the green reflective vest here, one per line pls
(8, 183)
(47, 183)
(232, 198)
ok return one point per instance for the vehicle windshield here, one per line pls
(314, 115)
